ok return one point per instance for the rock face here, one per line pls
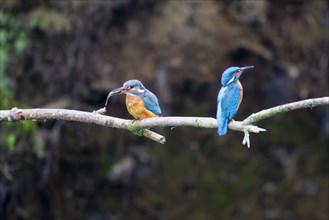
(81, 50)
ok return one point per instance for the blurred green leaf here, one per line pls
(49, 20)
(14, 41)
(6, 97)
(3, 37)
(4, 58)
(28, 127)
(21, 43)
(3, 18)
(39, 146)
(11, 140)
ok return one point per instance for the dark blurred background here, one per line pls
(70, 54)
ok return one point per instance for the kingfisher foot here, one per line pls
(231, 121)
(136, 119)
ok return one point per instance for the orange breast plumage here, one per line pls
(241, 92)
(136, 107)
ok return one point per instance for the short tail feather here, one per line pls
(222, 127)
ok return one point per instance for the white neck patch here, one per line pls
(231, 80)
(141, 90)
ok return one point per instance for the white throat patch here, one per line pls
(231, 80)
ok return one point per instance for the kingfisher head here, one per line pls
(233, 74)
(131, 87)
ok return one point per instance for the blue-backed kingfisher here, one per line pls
(229, 97)
(140, 102)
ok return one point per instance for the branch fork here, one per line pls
(141, 127)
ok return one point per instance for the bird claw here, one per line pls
(133, 121)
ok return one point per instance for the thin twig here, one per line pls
(307, 103)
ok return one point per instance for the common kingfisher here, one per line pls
(140, 102)
(229, 97)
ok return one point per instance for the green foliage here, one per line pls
(11, 140)
(25, 132)
(49, 21)
(11, 132)
(6, 98)
(13, 42)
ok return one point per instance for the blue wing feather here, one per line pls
(221, 119)
(227, 106)
(151, 102)
(230, 102)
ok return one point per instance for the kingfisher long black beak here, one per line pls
(117, 91)
(246, 68)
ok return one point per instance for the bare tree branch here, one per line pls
(79, 116)
(141, 127)
(308, 103)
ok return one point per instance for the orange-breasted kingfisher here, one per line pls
(140, 102)
(229, 97)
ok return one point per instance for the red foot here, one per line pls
(132, 121)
